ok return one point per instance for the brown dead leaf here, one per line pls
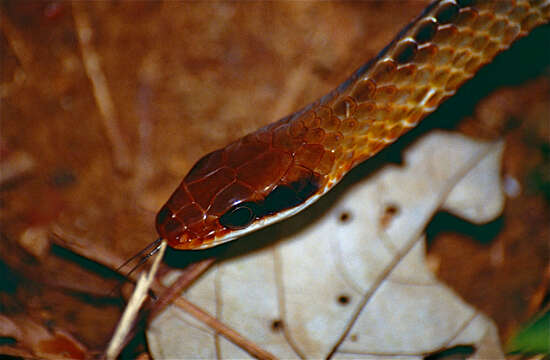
(113, 112)
(39, 341)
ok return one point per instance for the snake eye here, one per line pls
(238, 217)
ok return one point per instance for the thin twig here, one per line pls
(169, 295)
(190, 274)
(17, 43)
(101, 91)
(537, 299)
(223, 329)
(125, 324)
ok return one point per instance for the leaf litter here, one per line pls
(357, 288)
(69, 216)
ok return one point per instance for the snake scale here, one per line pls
(284, 167)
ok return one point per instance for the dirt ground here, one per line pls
(106, 105)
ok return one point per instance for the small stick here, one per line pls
(101, 91)
(136, 300)
(222, 329)
(17, 42)
(190, 274)
(537, 299)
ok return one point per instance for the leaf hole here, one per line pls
(345, 217)
(343, 299)
(277, 325)
(390, 212)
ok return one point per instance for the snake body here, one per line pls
(283, 167)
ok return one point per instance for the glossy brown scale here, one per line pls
(425, 31)
(405, 52)
(345, 108)
(285, 166)
(446, 12)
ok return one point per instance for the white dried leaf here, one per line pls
(359, 287)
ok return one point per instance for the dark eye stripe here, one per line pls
(281, 198)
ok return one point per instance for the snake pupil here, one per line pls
(238, 217)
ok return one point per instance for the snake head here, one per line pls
(233, 191)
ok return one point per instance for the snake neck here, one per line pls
(425, 64)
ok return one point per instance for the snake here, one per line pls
(282, 168)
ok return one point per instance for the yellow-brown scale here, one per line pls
(428, 62)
